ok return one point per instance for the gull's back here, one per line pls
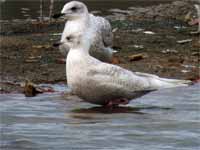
(103, 28)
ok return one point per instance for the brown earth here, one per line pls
(27, 52)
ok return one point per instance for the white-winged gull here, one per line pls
(80, 20)
(101, 83)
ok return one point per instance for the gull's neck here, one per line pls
(77, 56)
(80, 50)
(83, 21)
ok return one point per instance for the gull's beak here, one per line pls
(57, 44)
(56, 16)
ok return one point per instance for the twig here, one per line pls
(51, 9)
(41, 10)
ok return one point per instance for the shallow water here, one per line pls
(21, 9)
(167, 119)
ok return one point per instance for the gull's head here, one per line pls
(77, 41)
(74, 10)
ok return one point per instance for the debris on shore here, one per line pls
(184, 41)
(136, 57)
(26, 51)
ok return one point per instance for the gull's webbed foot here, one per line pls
(117, 102)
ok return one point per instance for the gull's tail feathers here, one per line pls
(161, 83)
(176, 82)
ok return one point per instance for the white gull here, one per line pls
(80, 20)
(106, 84)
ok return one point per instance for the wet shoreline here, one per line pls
(27, 52)
(147, 40)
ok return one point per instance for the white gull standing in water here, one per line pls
(106, 84)
(80, 20)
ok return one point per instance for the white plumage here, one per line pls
(79, 20)
(98, 82)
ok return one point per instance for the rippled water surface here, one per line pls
(167, 119)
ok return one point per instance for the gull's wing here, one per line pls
(118, 79)
(107, 34)
(125, 81)
(104, 28)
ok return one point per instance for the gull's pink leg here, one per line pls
(116, 102)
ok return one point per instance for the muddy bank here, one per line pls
(27, 51)
(176, 10)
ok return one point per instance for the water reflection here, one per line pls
(120, 109)
(167, 119)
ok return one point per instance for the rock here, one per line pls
(114, 30)
(30, 89)
(138, 46)
(149, 32)
(169, 51)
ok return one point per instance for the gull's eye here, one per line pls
(74, 8)
(69, 38)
